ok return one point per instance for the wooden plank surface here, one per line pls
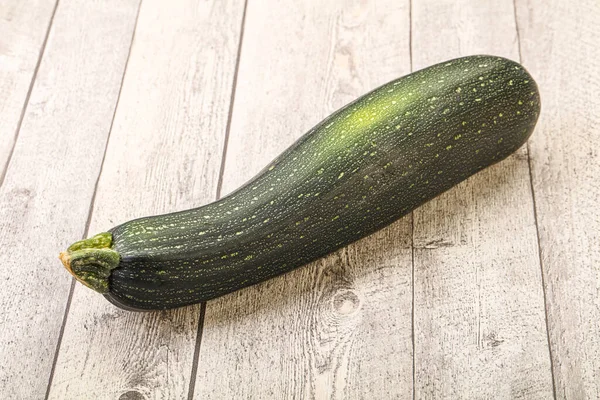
(23, 29)
(50, 181)
(480, 331)
(164, 155)
(340, 327)
(560, 47)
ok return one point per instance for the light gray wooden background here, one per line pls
(115, 109)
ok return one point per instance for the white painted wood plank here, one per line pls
(164, 155)
(340, 327)
(560, 46)
(480, 331)
(50, 181)
(23, 28)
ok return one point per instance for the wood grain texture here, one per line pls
(23, 29)
(50, 181)
(480, 328)
(340, 327)
(164, 155)
(560, 47)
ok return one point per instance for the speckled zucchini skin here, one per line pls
(357, 171)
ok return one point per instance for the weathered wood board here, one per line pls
(559, 44)
(480, 330)
(340, 327)
(23, 30)
(164, 155)
(49, 183)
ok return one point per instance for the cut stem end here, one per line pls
(91, 261)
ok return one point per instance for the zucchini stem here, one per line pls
(91, 261)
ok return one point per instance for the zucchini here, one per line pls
(360, 169)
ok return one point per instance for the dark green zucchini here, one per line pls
(357, 171)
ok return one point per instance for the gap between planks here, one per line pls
(412, 226)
